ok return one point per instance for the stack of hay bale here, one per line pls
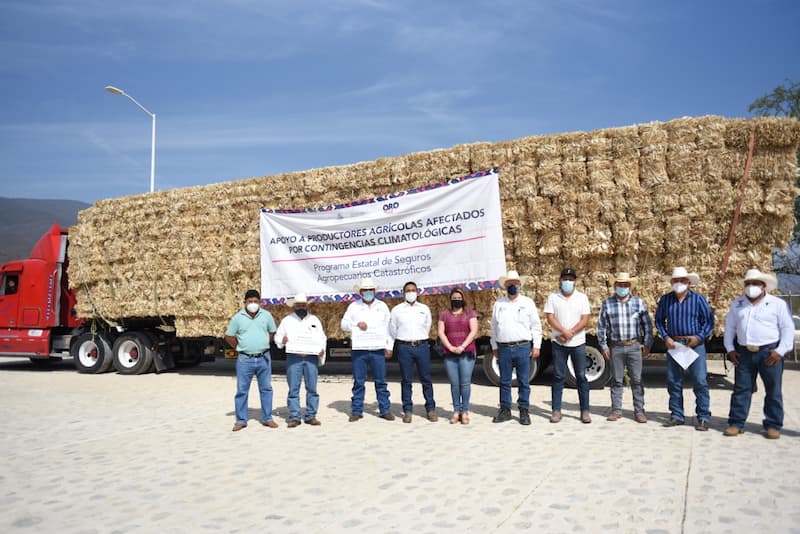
(641, 199)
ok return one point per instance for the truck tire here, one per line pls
(598, 370)
(492, 370)
(132, 354)
(91, 353)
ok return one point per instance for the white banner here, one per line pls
(439, 236)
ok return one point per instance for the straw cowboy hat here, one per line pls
(299, 298)
(511, 276)
(680, 272)
(769, 280)
(364, 283)
(624, 277)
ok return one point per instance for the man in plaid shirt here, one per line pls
(625, 328)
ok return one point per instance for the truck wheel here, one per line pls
(91, 353)
(132, 354)
(598, 370)
(492, 370)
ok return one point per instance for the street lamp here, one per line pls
(116, 91)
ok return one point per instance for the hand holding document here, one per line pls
(683, 355)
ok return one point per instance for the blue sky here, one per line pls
(256, 87)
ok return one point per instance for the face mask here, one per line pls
(411, 296)
(301, 312)
(456, 304)
(752, 291)
(368, 296)
(567, 286)
(623, 291)
(253, 307)
(512, 290)
(679, 288)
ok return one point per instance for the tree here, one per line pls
(784, 101)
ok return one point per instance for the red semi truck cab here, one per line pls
(37, 308)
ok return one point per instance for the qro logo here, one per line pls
(391, 206)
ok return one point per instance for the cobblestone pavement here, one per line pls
(155, 453)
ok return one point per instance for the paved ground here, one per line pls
(155, 453)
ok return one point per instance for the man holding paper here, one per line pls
(684, 320)
(302, 335)
(758, 332)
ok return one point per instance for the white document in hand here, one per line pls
(683, 355)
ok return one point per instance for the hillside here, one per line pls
(24, 220)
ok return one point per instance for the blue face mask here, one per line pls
(368, 296)
(622, 291)
(512, 290)
(301, 312)
(567, 286)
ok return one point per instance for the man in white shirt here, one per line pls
(367, 319)
(302, 335)
(409, 328)
(516, 337)
(567, 312)
(758, 332)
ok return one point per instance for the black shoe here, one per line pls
(524, 417)
(673, 422)
(701, 425)
(502, 416)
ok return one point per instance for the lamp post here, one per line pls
(116, 91)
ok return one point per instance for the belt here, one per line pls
(513, 343)
(625, 342)
(759, 348)
(412, 343)
(684, 339)
(260, 354)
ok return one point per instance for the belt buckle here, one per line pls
(753, 348)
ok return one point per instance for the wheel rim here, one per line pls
(88, 354)
(496, 369)
(128, 354)
(595, 365)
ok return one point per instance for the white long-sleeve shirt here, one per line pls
(376, 316)
(515, 320)
(410, 322)
(294, 328)
(765, 323)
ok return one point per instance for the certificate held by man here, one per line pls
(306, 339)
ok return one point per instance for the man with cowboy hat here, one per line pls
(684, 316)
(516, 337)
(567, 312)
(302, 335)
(368, 321)
(758, 332)
(625, 333)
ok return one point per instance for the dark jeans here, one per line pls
(578, 355)
(510, 358)
(699, 373)
(362, 361)
(751, 363)
(419, 356)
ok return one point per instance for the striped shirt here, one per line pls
(624, 320)
(692, 317)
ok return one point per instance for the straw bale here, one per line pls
(644, 198)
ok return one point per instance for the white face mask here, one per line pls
(411, 296)
(679, 287)
(753, 291)
(253, 307)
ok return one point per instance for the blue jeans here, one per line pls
(246, 367)
(698, 372)
(299, 367)
(362, 360)
(751, 363)
(509, 358)
(409, 356)
(459, 370)
(578, 355)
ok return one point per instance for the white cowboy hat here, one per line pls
(768, 279)
(364, 283)
(299, 298)
(680, 272)
(511, 276)
(624, 277)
